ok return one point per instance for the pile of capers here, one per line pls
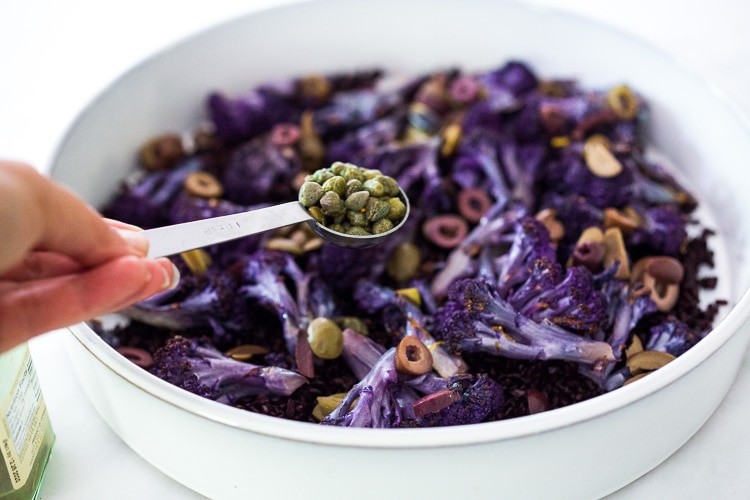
(352, 200)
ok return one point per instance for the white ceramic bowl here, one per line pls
(583, 451)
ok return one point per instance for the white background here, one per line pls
(56, 56)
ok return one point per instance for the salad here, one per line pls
(547, 259)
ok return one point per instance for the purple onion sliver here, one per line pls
(435, 402)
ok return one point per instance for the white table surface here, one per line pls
(55, 56)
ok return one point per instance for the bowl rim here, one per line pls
(482, 433)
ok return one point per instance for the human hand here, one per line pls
(61, 262)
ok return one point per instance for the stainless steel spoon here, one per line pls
(178, 238)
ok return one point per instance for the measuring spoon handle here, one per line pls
(178, 238)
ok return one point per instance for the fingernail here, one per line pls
(135, 240)
(171, 275)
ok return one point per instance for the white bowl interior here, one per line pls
(692, 124)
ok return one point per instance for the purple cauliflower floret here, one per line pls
(375, 400)
(525, 126)
(342, 267)
(477, 166)
(663, 230)
(385, 398)
(373, 298)
(479, 397)
(364, 141)
(504, 91)
(348, 111)
(578, 179)
(524, 163)
(144, 200)
(415, 168)
(208, 300)
(274, 280)
(570, 300)
(259, 171)
(672, 336)
(250, 114)
(197, 366)
(476, 319)
(529, 296)
(624, 312)
(531, 242)
(486, 114)
(256, 111)
(405, 163)
(264, 277)
(496, 228)
(576, 214)
(514, 76)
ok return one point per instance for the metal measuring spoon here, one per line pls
(178, 238)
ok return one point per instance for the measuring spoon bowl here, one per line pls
(178, 238)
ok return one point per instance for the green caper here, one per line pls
(357, 201)
(332, 205)
(353, 186)
(317, 214)
(403, 262)
(376, 209)
(374, 187)
(390, 186)
(320, 176)
(357, 231)
(356, 218)
(382, 226)
(398, 209)
(337, 184)
(352, 173)
(310, 194)
(337, 167)
(370, 173)
(325, 338)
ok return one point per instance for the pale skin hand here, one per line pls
(61, 262)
